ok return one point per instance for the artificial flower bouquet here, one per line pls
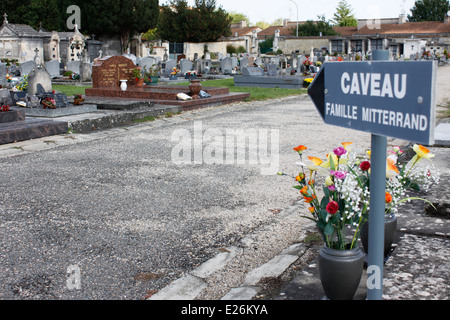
(340, 202)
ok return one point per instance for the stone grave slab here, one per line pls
(59, 112)
(285, 82)
(52, 68)
(26, 67)
(3, 74)
(253, 71)
(108, 72)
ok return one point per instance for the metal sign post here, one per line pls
(386, 99)
(377, 206)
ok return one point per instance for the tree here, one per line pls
(343, 16)
(45, 14)
(238, 17)
(262, 24)
(429, 10)
(203, 23)
(119, 17)
(315, 28)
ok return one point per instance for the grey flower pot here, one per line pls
(390, 226)
(340, 272)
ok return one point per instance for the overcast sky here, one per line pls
(270, 10)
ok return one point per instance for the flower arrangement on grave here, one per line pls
(49, 103)
(137, 73)
(318, 64)
(191, 74)
(339, 201)
(307, 82)
(174, 71)
(75, 76)
(23, 84)
(78, 99)
(8, 77)
(307, 63)
(4, 108)
(153, 71)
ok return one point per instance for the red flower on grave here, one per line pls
(332, 207)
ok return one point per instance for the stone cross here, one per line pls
(6, 18)
(37, 58)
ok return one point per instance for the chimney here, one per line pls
(402, 18)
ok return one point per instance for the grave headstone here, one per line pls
(226, 66)
(5, 97)
(73, 66)
(110, 70)
(53, 68)
(167, 67)
(2, 74)
(26, 67)
(147, 62)
(234, 62)
(39, 76)
(272, 69)
(244, 63)
(253, 71)
(185, 66)
(86, 72)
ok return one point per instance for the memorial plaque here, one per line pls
(108, 72)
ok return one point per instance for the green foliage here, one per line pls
(314, 28)
(429, 10)
(237, 17)
(99, 17)
(343, 16)
(232, 49)
(203, 23)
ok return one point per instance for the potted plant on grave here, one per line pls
(403, 178)
(78, 99)
(138, 76)
(174, 74)
(339, 205)
(189, 75)
(152, 75)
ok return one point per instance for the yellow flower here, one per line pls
(422, 152)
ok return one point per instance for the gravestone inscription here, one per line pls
(110, 70)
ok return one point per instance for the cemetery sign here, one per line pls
(387, 98)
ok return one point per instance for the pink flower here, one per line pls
(340, 151)
(332, 188)
(338, 174)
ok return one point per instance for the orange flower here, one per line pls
(388, 197)
(391, 165)
(316, 161)
(304, 191)
(300, 177)
(300, 148)
(309, 199)
(311, 182)
(346, 144)
(312, 210)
